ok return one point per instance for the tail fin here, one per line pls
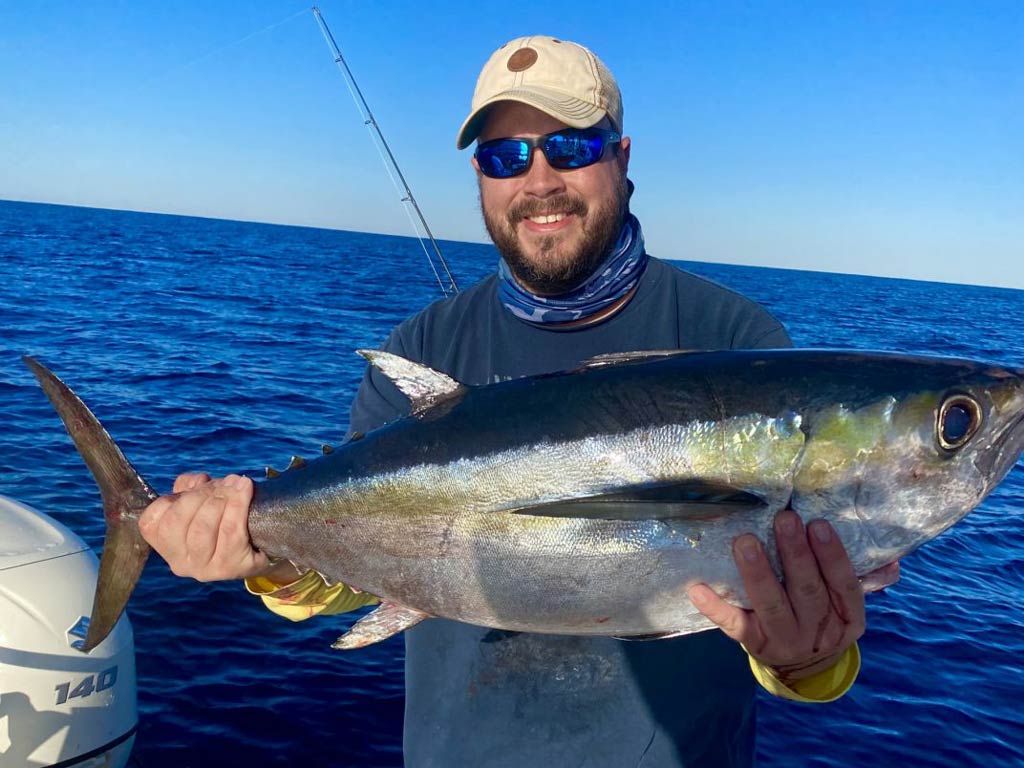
(125, 494)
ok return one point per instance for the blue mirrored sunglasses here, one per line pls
(569, 148)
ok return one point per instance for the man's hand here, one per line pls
(201, 530)
(805, 626)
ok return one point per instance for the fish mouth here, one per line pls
(1006, 449)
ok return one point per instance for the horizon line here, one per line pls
(491, 244)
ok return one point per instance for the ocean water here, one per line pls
(226, 346)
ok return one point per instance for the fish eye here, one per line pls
(959, 417)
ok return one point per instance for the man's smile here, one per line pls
(546, 223)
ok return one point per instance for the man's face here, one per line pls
(553, 227)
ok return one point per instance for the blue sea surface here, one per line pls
(227, 346)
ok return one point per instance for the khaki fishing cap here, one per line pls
(558, 77)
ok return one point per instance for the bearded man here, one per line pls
(574, 281)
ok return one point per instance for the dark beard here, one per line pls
(553, 279)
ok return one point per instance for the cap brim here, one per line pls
(567, 109)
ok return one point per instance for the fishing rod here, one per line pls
(389, 162)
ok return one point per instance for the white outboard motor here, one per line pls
(58, 706)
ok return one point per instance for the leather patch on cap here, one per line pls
(522, 59)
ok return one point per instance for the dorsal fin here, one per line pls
(614, 358)
(424, 386)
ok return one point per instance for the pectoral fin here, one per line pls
(652, 636)
(387, 620)
(693, 500)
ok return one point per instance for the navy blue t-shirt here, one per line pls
(482, 697)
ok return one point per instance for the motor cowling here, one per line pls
(57, 704)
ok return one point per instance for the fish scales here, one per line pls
(588, 502)
(436, 505)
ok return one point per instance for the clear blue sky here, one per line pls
(880, 138)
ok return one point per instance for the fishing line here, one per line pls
(89, 100)
(369, 122)
(379, 142)
(388, 158)
(202, 57)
